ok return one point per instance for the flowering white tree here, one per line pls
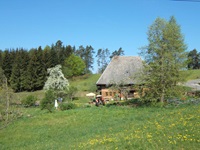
(56, 79)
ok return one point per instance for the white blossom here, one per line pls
(56, 79)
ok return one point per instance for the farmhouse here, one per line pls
(121, 72)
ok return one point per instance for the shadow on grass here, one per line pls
(135, 103)
(130, 103)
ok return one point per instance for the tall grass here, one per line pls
(106, 128)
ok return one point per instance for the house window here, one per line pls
(110, 93)
(106, 93)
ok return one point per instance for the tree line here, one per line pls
(26, 70)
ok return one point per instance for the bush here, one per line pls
(197, 94)
(29, 101)
(48, 101)
(178, 102)
(67, 106)
(71, 92)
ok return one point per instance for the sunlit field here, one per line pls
(115, 127)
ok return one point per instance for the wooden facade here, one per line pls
(112, 94)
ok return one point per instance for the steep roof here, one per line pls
(121, 70)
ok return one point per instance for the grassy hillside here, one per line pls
(85, 83)
(105, 128)
(190, 74)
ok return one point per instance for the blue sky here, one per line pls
(100, 23)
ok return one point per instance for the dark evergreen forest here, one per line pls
(26, 70)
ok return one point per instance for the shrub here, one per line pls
(48, 101)
(197, 94)
(67, 106)
(29, 101)
(71, 92)
(178, 102)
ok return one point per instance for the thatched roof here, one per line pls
(121, 70)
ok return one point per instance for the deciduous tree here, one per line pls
(56, 79)
(164, 57)
(74, 66)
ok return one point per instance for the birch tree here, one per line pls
(8, 112)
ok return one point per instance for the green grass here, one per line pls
(86, 83)
(20, 96)
(191, 74)
(105, 128)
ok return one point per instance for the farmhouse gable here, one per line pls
(122, 70)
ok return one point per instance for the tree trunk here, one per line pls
(162, 96)
(7, 101)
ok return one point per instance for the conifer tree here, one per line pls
(89, 59)
(30, 79)
(119, 52)
(24, 69)
(19, 71)
(59, 49)
(87, 55)
(193, 59)
(53, 56)
(61, 56)
(68, 51)
(102, 59)
(40, 70)
(7, 64)
(15, 78)
(46, 57)
(34, 72)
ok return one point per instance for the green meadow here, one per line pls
(115, 127)
(105, 127)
